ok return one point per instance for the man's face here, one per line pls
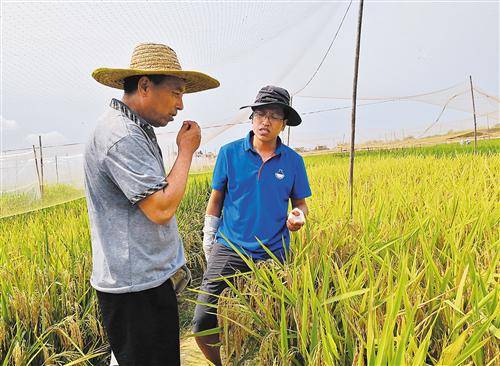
(267, 122)
(161, 102)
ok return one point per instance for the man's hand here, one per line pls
(295, 219)
(161, 206)
(189, 137)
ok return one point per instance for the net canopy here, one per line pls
(49, 50)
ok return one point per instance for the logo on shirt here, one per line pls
(279, 174)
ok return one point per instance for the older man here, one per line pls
(253, 181)
(136, 248)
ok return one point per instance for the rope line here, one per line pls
(377, 100)
(327, 51)
(440, 114)
(386, 98)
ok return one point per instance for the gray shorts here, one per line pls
(223, 262)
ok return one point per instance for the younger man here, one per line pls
(254, 179)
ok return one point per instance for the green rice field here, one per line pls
(412, 279)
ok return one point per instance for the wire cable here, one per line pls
(440, 114)
(327, 51)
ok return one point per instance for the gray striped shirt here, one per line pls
(123, 164)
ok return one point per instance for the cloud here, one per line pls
(49, 138)
(8, 124)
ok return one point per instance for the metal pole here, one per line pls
(41, 163)
(474, 110)
(353, 115)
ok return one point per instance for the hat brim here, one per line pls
(195, 81)
(293, 117)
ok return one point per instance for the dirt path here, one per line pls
(191, 354)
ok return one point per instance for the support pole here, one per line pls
(41, 164)
(353, 115)
(37, 170)
(474, 111)
(57, 172)
(288, 137)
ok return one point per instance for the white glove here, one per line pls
(209, 230)
(300, 219)
(113, 361)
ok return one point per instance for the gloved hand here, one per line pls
(113, 361)
(209, 230)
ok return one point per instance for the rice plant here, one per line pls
(49, 313)
(412, 280)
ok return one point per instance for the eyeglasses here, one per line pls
(272, 116)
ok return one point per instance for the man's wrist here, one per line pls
(211, 224)
(185, 154)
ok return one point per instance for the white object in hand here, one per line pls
(300, 219)
(209, 230)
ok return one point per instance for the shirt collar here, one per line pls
(247, 144)
(129, 113)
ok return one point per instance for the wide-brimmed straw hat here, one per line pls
(155, 59)
(275, 95)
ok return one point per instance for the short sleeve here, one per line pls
(301, 188)
(219, 178)
(133, 167)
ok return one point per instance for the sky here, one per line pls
(49, 50)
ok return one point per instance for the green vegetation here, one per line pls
(412, 280)
(49, 313)
(484, 147)
(13, 204)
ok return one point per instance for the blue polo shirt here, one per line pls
(257, 195)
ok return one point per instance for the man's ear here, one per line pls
(143, 85)
(285, 121)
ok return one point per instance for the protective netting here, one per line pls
(49, 50)
(450, 101)
(53, 174)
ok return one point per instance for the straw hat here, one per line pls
(155, 59)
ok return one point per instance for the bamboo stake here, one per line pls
(353, 115)
(57, 172)
(41, 164)
(37, 171)
(288, 138)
